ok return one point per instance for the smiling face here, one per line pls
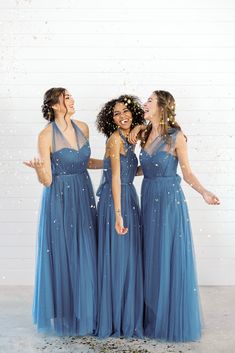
(122, 116)
(152, 111)
(65, 104)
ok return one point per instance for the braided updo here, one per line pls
(51, 97)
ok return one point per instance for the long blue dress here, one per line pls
(66, 284)
(120, 277)
(172, 307)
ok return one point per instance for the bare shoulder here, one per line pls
(114, 140)
(45, 134)
(80, 124)
(114, 146)
(83, 127)
(180, 138)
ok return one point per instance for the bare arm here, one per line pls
(83, 127)
(189, 177)
(42, 165)
(95, 163)
(133, 135)
(114, 146)
(139, 171)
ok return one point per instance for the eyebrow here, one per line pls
(118, 111)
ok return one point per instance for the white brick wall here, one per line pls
(98, 50)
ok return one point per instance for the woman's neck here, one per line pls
(156, 127)
(62, 121)
(125, 132)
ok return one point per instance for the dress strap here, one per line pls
(173, 133)
(78, 130)
(53, 147)
(126, 143)
(59, 141)
(81, 138)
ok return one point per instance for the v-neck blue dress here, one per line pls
(172, 306)
(120, 277)
(66, 285)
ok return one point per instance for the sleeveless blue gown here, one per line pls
(66, 284)
(120, 281)
(172, 307)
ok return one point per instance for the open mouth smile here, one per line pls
(124, 121)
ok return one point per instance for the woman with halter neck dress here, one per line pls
(172, 308)
(66, 282)
(120, 287)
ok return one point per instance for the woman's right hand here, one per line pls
(35, 163)
(119, 226)
(132, 138)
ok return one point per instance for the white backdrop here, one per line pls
(98, 50)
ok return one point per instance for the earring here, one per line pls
(162, 122)
(49, 115)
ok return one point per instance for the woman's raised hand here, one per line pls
(35, 163)
(132, 138)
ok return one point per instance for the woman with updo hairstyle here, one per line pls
(171, 298)
(120, 277)
(66, 282)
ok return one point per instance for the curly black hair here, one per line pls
(105, 122)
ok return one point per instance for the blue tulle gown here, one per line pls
(172, 308)
(66, 285)
(120, 277)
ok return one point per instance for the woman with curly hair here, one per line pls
(66, 275)
(120, 287)
(172, 309)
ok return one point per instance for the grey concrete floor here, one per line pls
(17, 334)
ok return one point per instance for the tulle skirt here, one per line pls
(120, 277)
(66, 284)
(172, 306)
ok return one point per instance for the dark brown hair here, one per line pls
(50, 98)
(105, 122)
(166, 101)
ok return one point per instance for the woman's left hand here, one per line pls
(120, 229)
(210, 198)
